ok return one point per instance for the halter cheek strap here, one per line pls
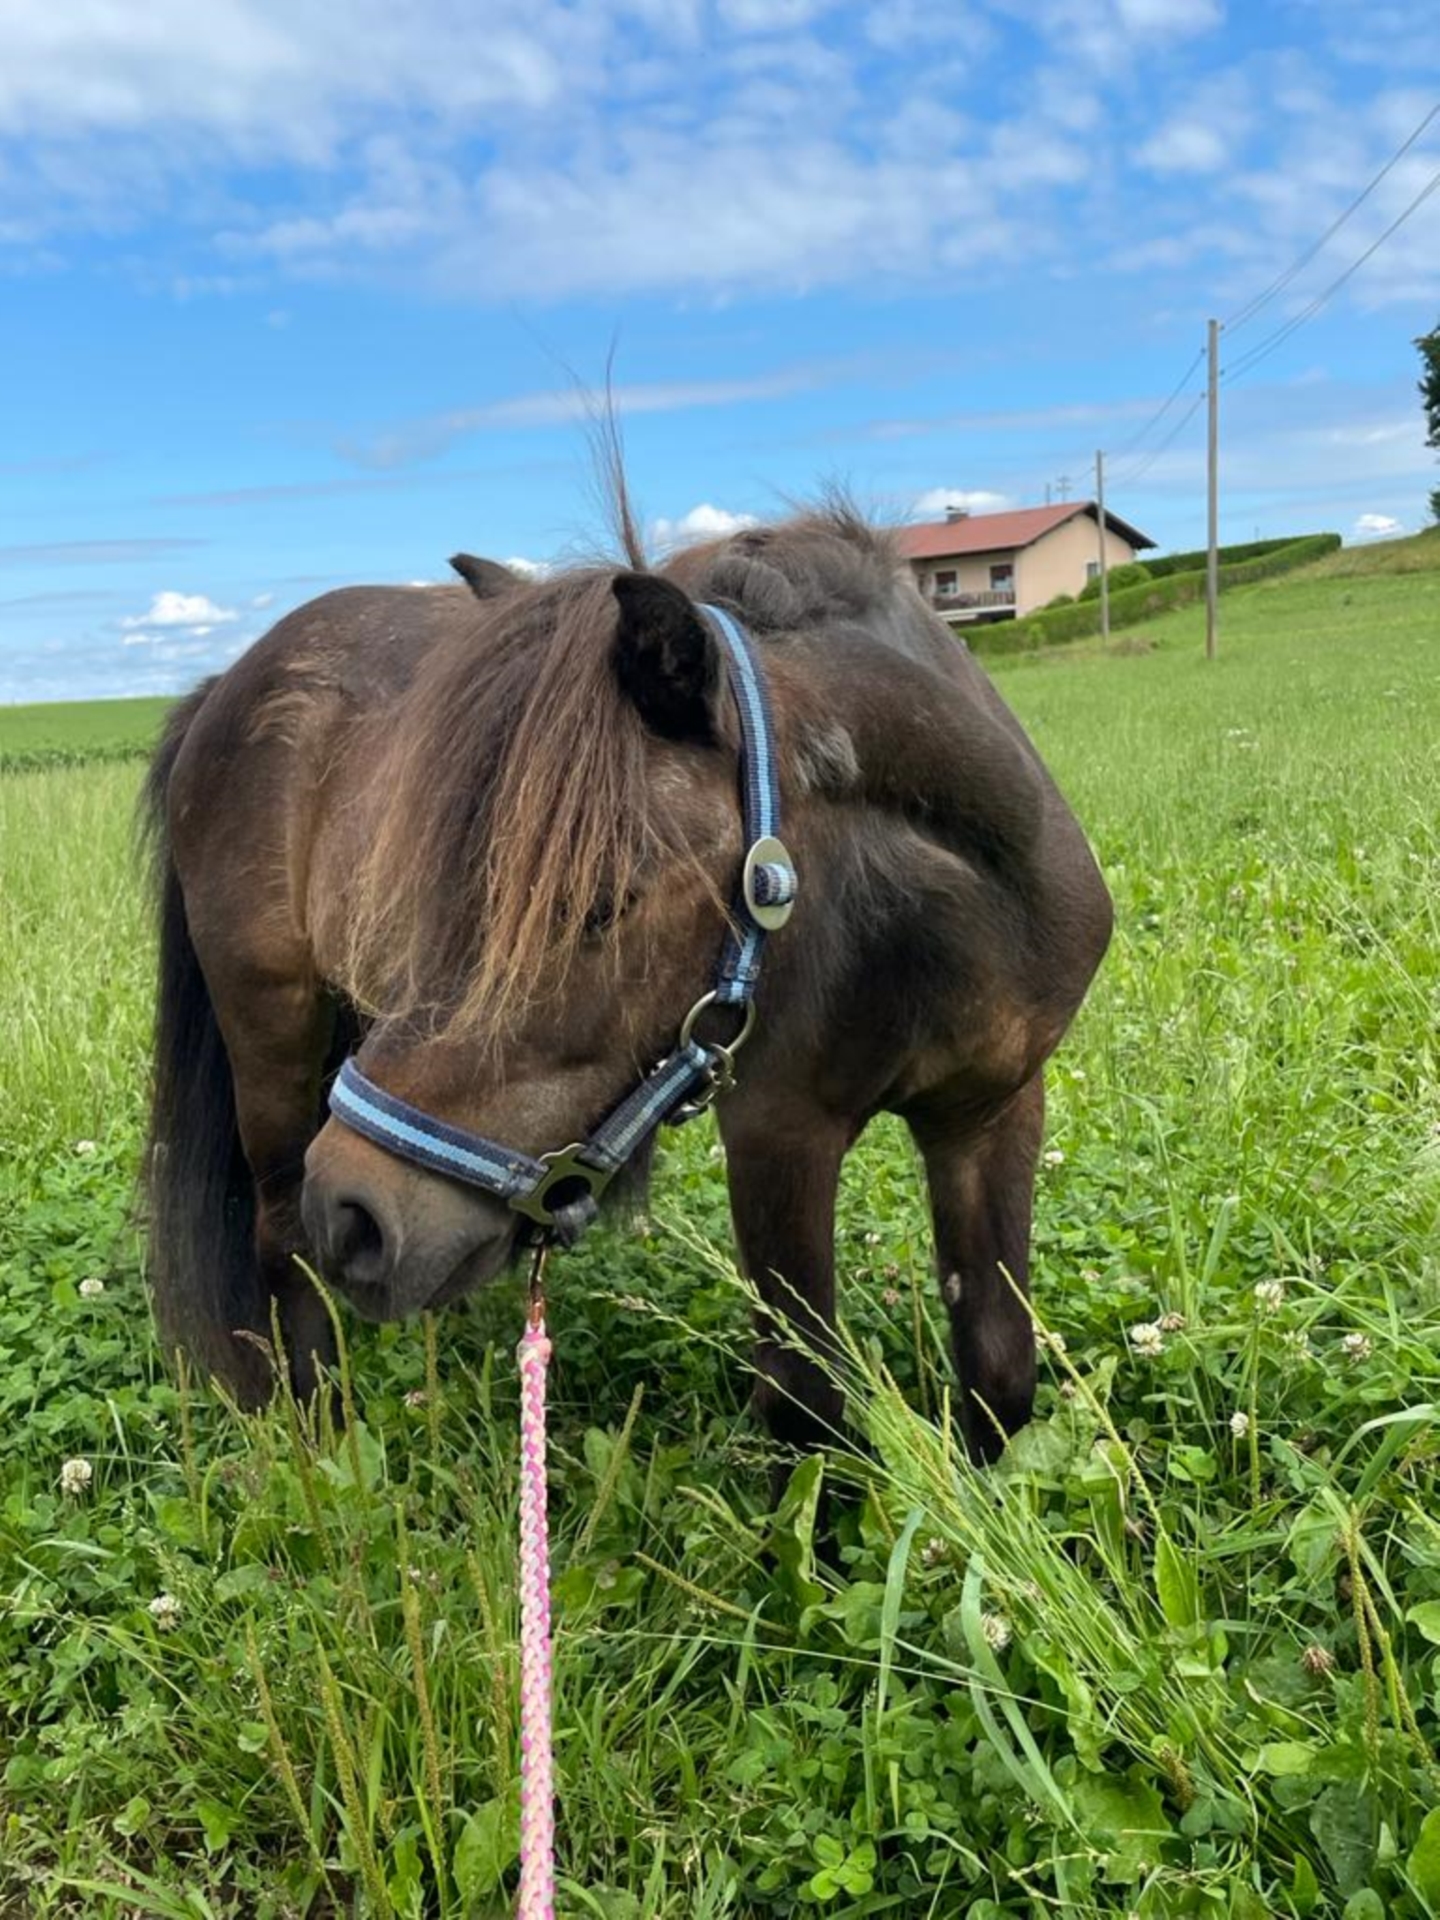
(560, 1192)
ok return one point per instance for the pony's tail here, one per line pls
(199, 1198)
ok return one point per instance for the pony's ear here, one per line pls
(486, 579)
(666, 658)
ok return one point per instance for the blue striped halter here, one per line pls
(559, 1193)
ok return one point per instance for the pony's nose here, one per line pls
(349, 1230)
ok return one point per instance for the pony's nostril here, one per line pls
(357, 1241)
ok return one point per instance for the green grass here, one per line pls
(1179, 1655)
(71, 732)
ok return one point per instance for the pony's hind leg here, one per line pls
(782, 1199)
(981, 1177)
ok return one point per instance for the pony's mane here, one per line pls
(518, 801)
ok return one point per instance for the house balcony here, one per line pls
(991, 604)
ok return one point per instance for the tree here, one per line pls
(1429, 346)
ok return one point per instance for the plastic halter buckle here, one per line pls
(772, 858)
(561, 1167)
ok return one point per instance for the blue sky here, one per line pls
(297, 292)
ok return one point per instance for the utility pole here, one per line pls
(1212, 560)
(1104, 569)
(1047, 493)
(1063, 483)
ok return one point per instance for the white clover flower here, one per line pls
(84, 1148)
(416, 1397)
(1054, 1156)
(934, 1551)
(1357, 1348)
(92, 1288)
(1053, 1342)
(1171, 1322)
(1297, 1342)
(1270, 1296)
(995, 1631)
(75, 1477)
(1148, 1339)
(165, 1612)
(890, 1297)
(1240, 1425)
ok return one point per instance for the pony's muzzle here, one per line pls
(394, 1239)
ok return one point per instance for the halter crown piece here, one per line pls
(559, 1193)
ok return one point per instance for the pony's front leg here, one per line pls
(982, 1188)
(277, 1032)
(783, 1182)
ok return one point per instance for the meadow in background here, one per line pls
(1179, 1654)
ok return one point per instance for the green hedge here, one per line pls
(1130, 573)
(1143, 602)
(1169, 563)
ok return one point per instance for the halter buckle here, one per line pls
(772, 856)
(562, 1165)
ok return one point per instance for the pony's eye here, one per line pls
(604, 911)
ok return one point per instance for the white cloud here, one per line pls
(1378, 526)
(936, 500)
(770, 16)
(169, 609)
(527, 569)
(702, 522)
(263, 600)
(268, 74)
(1185, 146)
(420, 439)
(1171, 16)
(605, 147)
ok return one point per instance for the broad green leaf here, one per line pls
(133, 1816)
(1176, 1584)
(792, 1536)
(1304, 1887)
(1423, 1865)
(1343, 1821)
(1282, 1758)
(218, 1822)
(488, 1845)
(1365, 1905)
(1427, 1618)
(404, 1875)
(1123, 1817)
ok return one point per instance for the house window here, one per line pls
(947, 583)
(1092, 569)
(1002, 577)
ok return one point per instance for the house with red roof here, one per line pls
(978, 567)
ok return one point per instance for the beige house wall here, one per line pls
(1057, 562)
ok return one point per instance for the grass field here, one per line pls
(77, 732)
(1178, 1655)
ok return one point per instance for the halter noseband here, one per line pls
(559, 1193)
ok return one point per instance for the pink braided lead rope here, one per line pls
(537, 1778)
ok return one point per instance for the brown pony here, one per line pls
(486, 835)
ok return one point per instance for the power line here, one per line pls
(1278, 285)
(1148, 460)
(1118, 453)
(1264, 348)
